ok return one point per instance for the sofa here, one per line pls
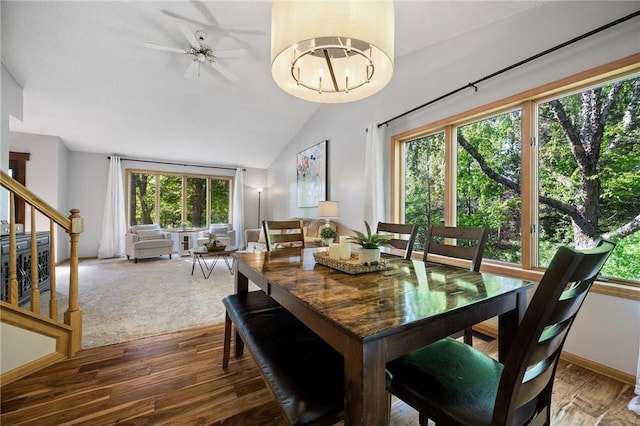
(146, 241)
(222, 232)
(255, 241)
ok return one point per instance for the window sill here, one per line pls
(601, 287)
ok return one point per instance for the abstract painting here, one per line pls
(311, 178)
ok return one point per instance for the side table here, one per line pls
(198, 255)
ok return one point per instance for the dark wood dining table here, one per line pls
(375, 317)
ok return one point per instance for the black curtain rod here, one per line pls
(524, 61)
(178, 164)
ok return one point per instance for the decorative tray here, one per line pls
(216, 248)
(351, 266)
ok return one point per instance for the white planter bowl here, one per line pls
(368, 255)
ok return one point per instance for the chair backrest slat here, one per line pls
(283, 233)
(527, 380)
(536, 384)
(474, 252)
(459, 252)
(406, 232)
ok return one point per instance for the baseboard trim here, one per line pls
(596, 367)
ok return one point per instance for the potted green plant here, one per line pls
(212, 243)
(370, 243)
(328, 234)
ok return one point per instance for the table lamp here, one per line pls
(328, 210)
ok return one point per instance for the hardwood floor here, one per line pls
(177, 379)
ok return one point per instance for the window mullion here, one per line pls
(450, 160)
(528, 183)
(158, 189)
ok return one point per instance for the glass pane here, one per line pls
(220, 200)
(142, 199)
(589, 174)
(488, 186)
(171, 202)
(424, 184)
(197, 201)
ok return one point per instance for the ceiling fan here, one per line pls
(201, 53)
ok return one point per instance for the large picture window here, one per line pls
(175, 200)
(488, 182)
(424, 183)
(575, 180)
(589, 173)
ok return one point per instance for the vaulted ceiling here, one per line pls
(88, 79)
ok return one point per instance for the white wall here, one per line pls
(86, 187)
(11, 105)
(444, 67)
(20, 346)
(46, 170)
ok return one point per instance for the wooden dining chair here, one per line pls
(452, 383)
(469, 245)
(283, 234)
(403, 236)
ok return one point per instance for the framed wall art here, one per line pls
(311, 178)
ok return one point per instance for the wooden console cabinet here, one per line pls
(23, 264)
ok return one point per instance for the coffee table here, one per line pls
(198, 255)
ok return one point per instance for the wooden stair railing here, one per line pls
(72, 225)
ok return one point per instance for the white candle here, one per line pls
(345, 248)
(334, 251)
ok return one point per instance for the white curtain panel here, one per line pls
(238, 208)
(113, 220)
(373, 178)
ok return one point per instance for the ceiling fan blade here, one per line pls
(193, 41)
(193, 70)
(229, 53)
(184, 18)
(224, 72)
(167, 48)
(215, 25)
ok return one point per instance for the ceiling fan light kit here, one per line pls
(201, 53)
(332, 52)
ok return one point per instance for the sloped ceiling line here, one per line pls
(474, 84)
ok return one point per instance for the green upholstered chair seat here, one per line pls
(460, 380)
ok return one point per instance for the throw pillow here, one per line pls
(220, 230)
(154, 234)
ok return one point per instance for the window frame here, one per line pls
(525, 101)
(184, 176)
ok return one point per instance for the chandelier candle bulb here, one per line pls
(345, 248)
(334, 251)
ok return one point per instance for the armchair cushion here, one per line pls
(150, 234)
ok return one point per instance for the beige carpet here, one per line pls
(124, 301)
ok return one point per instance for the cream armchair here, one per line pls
(223, 232)
(147, 240)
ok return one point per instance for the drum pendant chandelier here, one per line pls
(332, 51)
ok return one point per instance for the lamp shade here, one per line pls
(328, 209)
(332, 52)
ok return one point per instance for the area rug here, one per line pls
(122, 300)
